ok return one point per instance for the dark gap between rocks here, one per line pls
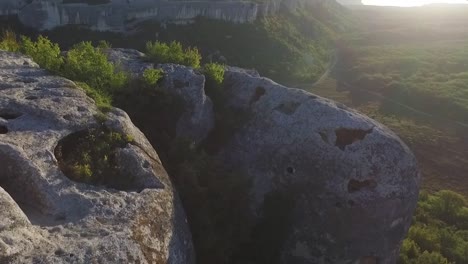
(3, 129)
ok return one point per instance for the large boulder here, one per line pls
(183, 83)
(328, 185)
(46, 216)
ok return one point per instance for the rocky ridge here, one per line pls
(328, 185)
(48, 218)
(121, 15)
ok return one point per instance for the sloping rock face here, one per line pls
(120, 15)
(181, 82)
(47, 218)
(329, 185)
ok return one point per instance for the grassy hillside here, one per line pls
(408, 69)
(432, 77)
(414, 81)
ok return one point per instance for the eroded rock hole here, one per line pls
(288, 108)
(3, 129)
(68, 117)
(89, 156)
(368, 260)
(8, 114)
(15, 179)
(346, 136)
(290, 170)
(356, 185)
(27, 80)
(259, 92)
(31, 97)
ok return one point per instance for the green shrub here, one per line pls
(102, 99)
(9, 41)
(152, 76)
(89, 157)
(85, 63)
(447, 206)
(410, 249)
(103, 44)
(43, 52)
(173, 52)
(431, 258)
(82, 171)
(439, 230)
(425, 237)
(214, 72)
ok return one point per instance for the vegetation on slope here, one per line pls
(288, 47)
(88, 64)
(283, 47)
(89, 157)
(406, 68)
(432, 78)
(83, 63)
(173, 52)
(439, 233)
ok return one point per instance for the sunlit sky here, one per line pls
(410, 2)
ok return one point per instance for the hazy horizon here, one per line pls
(408, 3)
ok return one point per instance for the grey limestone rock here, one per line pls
(328, 185)
(46, 217)
(343, 187)
(182, 82)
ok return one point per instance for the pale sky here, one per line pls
(410, 2)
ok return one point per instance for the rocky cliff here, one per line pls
(120, 15)
(46, 215)
(324, 184)
(327, 184)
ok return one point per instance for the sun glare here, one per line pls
(408, 3)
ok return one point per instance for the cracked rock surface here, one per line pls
(327, 184)
(45, 216)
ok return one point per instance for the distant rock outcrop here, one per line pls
(120, 15)
(46, 217)
(350, 2)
